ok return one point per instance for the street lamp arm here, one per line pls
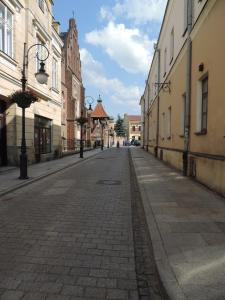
(88, 101)
(42, 78)
(32, 46)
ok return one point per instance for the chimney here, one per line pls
(56, 26)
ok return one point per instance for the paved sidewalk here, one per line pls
(9, 180)
(187, 226)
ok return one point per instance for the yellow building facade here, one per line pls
(132, 124)
(183, 102)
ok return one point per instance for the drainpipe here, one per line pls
(158, 98)
(148, 123)
(143, 124)
(188, 91)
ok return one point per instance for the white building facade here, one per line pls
(30, 22)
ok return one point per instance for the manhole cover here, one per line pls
(109, 182)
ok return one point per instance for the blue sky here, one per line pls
(116, 40)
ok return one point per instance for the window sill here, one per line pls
(8, 58)
(202, 132)
(185, 30)
(55, 90)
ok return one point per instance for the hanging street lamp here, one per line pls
(25, 97)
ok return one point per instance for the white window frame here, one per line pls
(163, 126)
(169, 123)
(185, 15)
(171, 45)
(165, 61)
(54, 73)
(183, 113)
(41, 4)
(199, 127)
(40, 52)
(5, 27)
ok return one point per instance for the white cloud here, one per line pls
(131, 49)
(141, 12)
(119, 93)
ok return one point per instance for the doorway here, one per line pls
(42, 136)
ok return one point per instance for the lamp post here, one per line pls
(108, 138)
(103, 123)
(82, 120)
(110, 134)
(42, 78)
(90, 101)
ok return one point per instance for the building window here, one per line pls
(165, 61)
(42, 135)
(6, 30)
(54, 74)
(204, 105)
(139, 128)
(156, 87)
(133, 128)
(41, 4)
(40, 53)
(171, 45)
(185, 15)
(183, 114)
(169, 128)
(163, 126)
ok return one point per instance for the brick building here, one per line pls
(72, 87)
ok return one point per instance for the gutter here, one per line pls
(158, 98)
(188, 91)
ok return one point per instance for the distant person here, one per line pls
(118, 144)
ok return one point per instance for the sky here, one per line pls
(116, 39)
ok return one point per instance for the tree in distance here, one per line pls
(119, 127)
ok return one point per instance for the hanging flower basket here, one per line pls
(82, 120)
(24, 99)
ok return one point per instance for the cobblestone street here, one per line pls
(70, 236)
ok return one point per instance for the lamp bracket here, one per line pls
(165, 86)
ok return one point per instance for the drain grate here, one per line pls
(109, 182)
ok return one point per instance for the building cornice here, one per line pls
(10, 79)
(41, 30)
(57, 38)
(17, 4)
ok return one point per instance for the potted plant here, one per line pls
(82, 120)
(24, 99)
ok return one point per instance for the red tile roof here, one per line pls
(135, 118)
(99, 112)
